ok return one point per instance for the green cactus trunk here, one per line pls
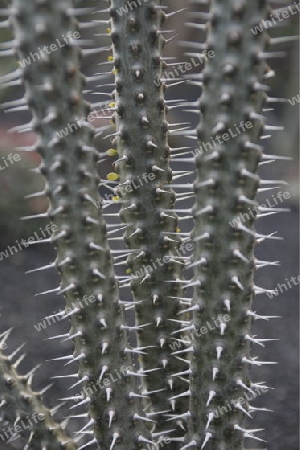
(54, 93)
(227, 182)
(198, 397)
(147, 203)
(23, 408)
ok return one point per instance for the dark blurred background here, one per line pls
(20, 308)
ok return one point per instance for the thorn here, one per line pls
(142, 439)
(249, 433)
(253, 361)
(222, 328)
(258, 341)
(236, 281)
(186, 415)
(134, 395)
(83, 402)
(258, 317)
(114, 440)
(211, 395)
(252, 408)
(77, 358)
(219, 352)
(210, 419)
(191, 444)
(10, 357)
(50, 291)
(93, 441)
(215, 371)
(105, 346)
(19, 360)
(240, 383)
(91, 422)
(239, 406)
(184, 394)
(111, 416)
(72, 336)
(103, 371)
(138, 417)
(185, 372)
(207, 438)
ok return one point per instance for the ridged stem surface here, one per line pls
(226, 164)
(24, 410)
(54, 93)
(145, 177)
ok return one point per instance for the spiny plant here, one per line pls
(171, 397)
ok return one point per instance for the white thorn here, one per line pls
(190, 444)
(111, 416)
(104, 347)
(240, 383)
(93, 441)
(211, 395)
(215, 371)
(103, 371)
(236, 281)
(207, 438)
(227, 304)
(210, 418)
(219, 352)
(222, 328)
(114, 440)
(108, 394)
(162, 342)
(239, 406)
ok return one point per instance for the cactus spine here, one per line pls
(185, 389)
(54, 93)
(227, 182)
(23, 407)
(142, 144)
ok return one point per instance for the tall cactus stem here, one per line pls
(230, 106)
(54, 93)
(147, 205)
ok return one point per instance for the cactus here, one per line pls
(143, 161)
(227, 181)
(177, 395)
(54, 93)
(23, 408)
